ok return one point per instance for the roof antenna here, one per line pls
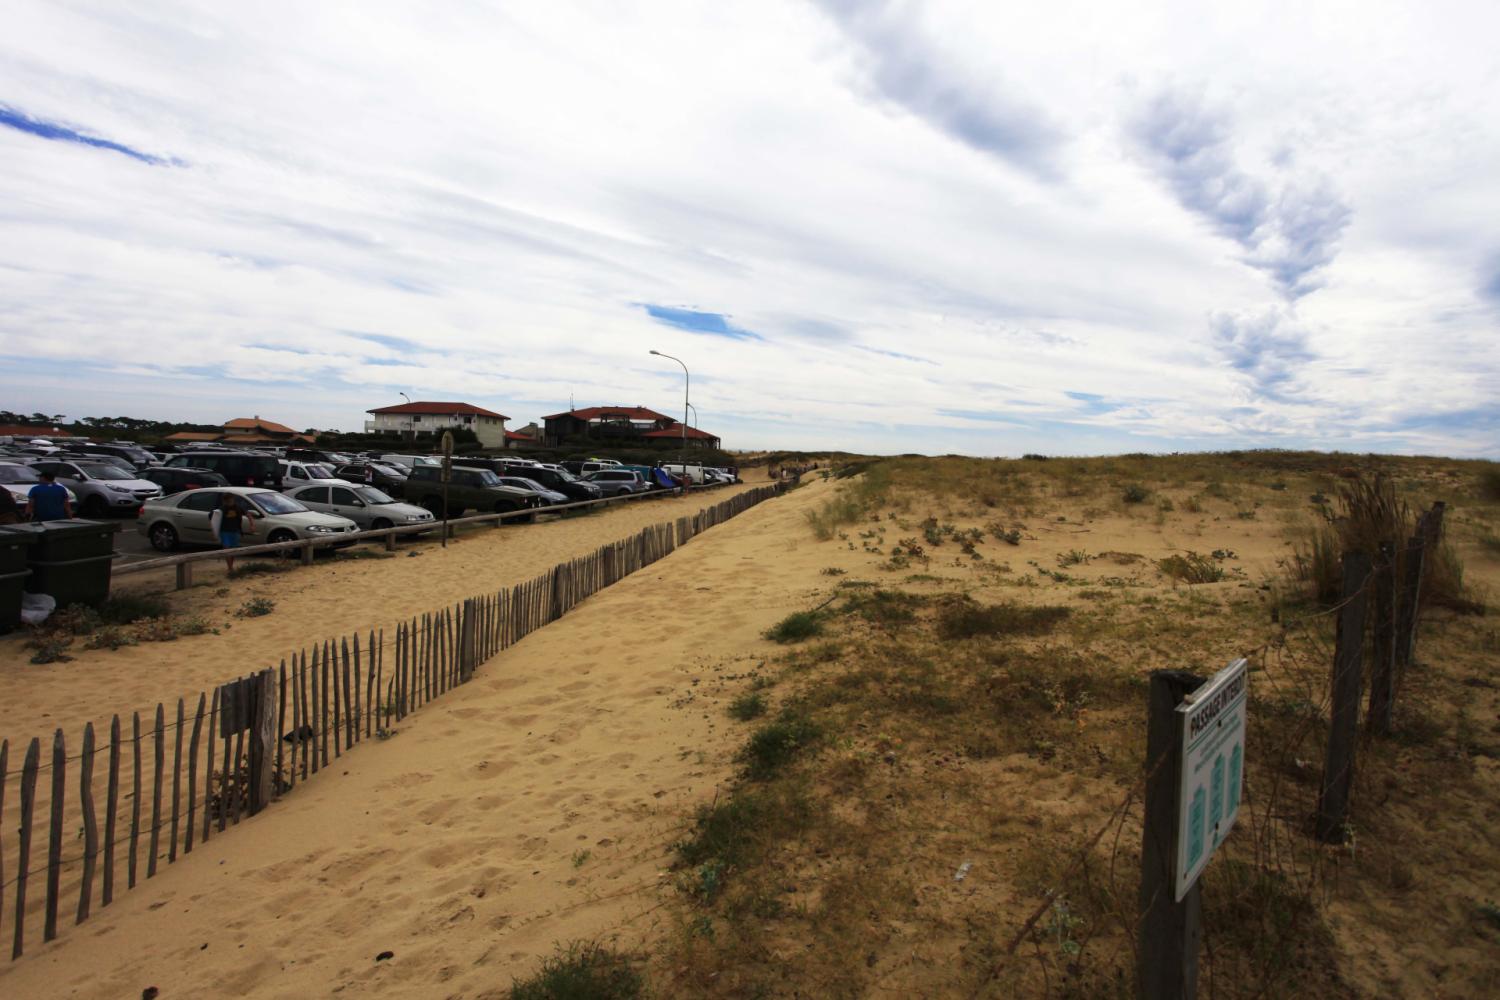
(571, 407)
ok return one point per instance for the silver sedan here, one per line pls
(366, 506)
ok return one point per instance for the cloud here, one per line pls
(894, 354)
(693, 321)
(20, 121)
(1266, 346)
(1489, 288)
(1289, 229)
(909, 69)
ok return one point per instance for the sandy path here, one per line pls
(458, 843)
(314, 603)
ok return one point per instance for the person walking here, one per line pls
(48, 500)
(230, 523)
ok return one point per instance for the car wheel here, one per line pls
(380, 524)
(95, 507)
(163, 537)
(282, 535)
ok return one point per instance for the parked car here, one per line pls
(184, 518)
(19, 479)
(100, 487)
(133, 453)
(177, 479)
(366, 506)
(562, 482)
(409, 462)
(378, 474)
(468, 489)
(548, 497)
(613, 482)
(319, 455)
(294, 474)
(241, 468)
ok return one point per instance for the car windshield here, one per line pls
(487, 478)
(388, 470)
(565, 475)
(371, 495)
(17, 474)
(320, 472)
(103, 470)
(275, 503)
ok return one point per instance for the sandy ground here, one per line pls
(535, 805)
(323, 601)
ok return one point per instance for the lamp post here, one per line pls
(687, 380)
(409, 428)
(695, 415)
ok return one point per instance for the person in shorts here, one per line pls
(48, 500)
(230, 524)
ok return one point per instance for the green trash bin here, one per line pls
(71, 560)
(14, 546)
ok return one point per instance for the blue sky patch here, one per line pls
(22, 122)
(693, 321)
(895, 354)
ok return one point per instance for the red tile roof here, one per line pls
(255, 423)
(676, 432)
(595, 412)
(192, 436)
(18, 430)
(518, 436)
(441, 409)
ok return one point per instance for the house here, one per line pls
(673, 437)
(430, 419)
(247, 431)
(617, 424)
(529, 436)
(27, 432)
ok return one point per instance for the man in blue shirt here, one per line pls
(48, 501)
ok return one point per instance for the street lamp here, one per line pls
(410, 428)
(686, 384)
(696, 421)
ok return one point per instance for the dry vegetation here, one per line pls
(939, 773)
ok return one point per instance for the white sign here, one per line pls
(1213, 769)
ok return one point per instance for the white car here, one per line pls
(409, 462)
(101, 486)
(295, 474)
(186, 518)
(19, 478)
(364, 505)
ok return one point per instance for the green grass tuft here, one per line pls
(795, 627)
(751, 705)
(584, 970)
(963, 618)
(777, 744)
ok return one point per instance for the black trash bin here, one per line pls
(71, 560)
(14, 546)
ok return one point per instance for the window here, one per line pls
(313, 494)
(344, 496)
(204, 500)
(275, 503)
(298, 472)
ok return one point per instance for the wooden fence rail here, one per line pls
(252, 739)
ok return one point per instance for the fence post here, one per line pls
(467, 642)
(307, 553)
(1348, 663)
(1406, 606)
(1383, 669)
(263, 741)
(390, 543)
(184, 575)
(1170, 932)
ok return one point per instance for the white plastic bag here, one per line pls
(35, 608)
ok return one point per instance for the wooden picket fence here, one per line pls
(251, 740)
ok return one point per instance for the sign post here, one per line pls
(1213, 770)
(447, 475)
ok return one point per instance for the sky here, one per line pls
(978, 228)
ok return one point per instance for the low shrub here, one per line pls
(256, 607)
(1489, 483)
(124, 609)
(884, 607)
(776, 744)
(584, 970)
(751, 705)
(795, 627)
(963, 618)
(1191, 568)
(1135, 493)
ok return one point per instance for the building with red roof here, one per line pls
(426, 418)
(623, 425)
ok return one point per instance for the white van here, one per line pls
(294, 474)
(409, 462)
(692, 473)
